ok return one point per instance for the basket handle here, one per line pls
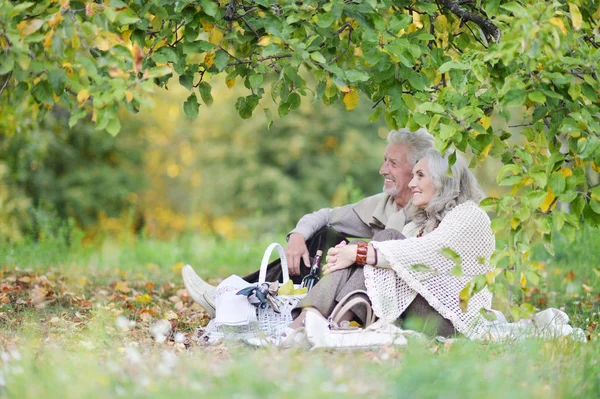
(265, 262)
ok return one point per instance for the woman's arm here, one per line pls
(344, 255)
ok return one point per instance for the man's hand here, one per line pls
(296, 250)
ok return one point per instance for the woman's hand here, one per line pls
(340, 257)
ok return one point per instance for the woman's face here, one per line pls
(421, 185)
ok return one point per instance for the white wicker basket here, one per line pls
(269, 321)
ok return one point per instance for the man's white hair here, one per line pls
(419, 142)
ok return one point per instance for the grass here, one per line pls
(77, 322)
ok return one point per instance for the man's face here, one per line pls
(397, 172)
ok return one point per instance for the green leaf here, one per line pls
(376, 114)
(43, 93)
(255, 80)
(515, 8)
(356, 76)
(456, 271)
(294, 100)
(450, 254)
(114, 126)
(209, 7)
(557, 183)
(269, 116)
(205, 92)
(535, 198)
(126, 16)
(18, 9)
(575, 91)
(421, 268)
(191, 106)
(6, 65)
(447, 132)
(221, 60)
(431, 107)
(246, 105)
(318, 57)
(452, 65)
(537, 96)
(198, 46)
(186, 81)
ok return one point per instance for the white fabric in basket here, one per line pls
(232, 309)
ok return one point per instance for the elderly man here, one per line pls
(364, 219)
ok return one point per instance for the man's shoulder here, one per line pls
(380, 199)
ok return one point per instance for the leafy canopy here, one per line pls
(463, 69)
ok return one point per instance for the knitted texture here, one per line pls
(418, 266)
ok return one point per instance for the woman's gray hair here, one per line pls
(419, 142)
(451, 191)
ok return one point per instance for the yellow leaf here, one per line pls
(83, 95)
(575, 16)
(128, 96)
(351, 100)
(209, 59)
(559, 24)
(64, 3)
(215, 36)
(486, 151)
(587, 289)
(230, 82)
(514, 223)
(547, 201)
(28, 27)
(417, 20)
(3, 43)
(595, 167)
(491, 275)
(122, 286)
(176, 268)
(523, 280)
(264, 41)
(47, 42)
(75, 42)
(486, 122)
(55, 20)
(566, 172)
(143, 298)
(345, 89)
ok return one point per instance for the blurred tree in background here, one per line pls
(222, 174)
(54, 174)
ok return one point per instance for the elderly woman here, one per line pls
(411, 273)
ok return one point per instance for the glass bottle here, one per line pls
(313, 276)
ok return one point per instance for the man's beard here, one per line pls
(391, 191)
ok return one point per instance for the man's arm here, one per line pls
(343, 219)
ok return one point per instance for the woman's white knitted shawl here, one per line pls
(466, 230)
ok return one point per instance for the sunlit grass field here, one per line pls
(79, 322)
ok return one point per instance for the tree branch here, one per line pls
(5, 83)
(337, 57)
(491, 31)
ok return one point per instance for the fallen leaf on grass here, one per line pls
(122, 286)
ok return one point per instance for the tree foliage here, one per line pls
(451, 66)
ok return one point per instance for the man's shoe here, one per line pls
(201, 292)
